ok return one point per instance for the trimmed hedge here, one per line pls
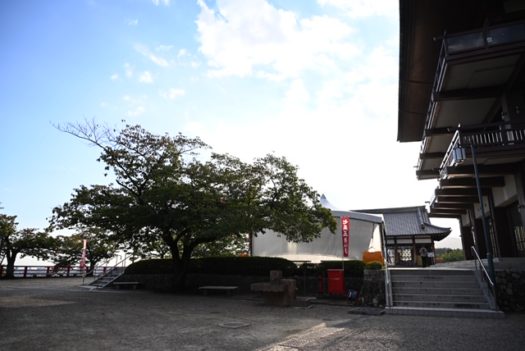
(217, 265)
(374, 265)
(153, 266)
(242, 265)
(353, 268)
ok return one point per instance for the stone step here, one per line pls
(441, 304)
(438, 291)
(429, 271)
(478, 298)
(435, 284)
(454, 278)
(445, 312)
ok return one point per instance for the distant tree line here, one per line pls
(450, 255)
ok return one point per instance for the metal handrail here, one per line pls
(478, 261)
(121, 262)
(491, 285)
(388, 284)
(388, 279)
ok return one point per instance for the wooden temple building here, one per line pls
(462, 97)
(406, 231)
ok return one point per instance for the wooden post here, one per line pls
(25, 271)
(414, 251)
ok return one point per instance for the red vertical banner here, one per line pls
(83, 258)
(345, 231)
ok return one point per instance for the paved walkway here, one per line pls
(56, 314)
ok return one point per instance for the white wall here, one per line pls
(327, 247)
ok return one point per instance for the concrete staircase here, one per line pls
(108, 278)
(442, 292)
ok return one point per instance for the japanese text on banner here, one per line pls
(345, 230)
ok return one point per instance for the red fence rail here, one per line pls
(50, 271)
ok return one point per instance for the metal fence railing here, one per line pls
(51, 271)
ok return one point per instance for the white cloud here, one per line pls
(146, 78)
(164, 48)
(244, 38)
(136, 111)
(365, 8)
(133, 22)
(134, 105)
(182, 53)
(128, 70)
(146, 52)
(161, 2)
(114, 76)
(172, 94)
(340, 131)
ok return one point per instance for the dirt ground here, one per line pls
(58, 314)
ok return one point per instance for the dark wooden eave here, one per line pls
(456, 199)
(421, 21)
(485, 182)
(453, 206)
(449, 211)
(461, 192)
(444, 215)
(431, 155)
(430, 173)
(466, 94)
(440, 131)
(484, 170)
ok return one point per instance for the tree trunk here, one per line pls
(181, 264)
(91, 269)
(10, 269)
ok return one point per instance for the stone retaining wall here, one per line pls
(373, 290)
(510, 290)
(164, 282)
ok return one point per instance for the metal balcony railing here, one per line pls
(506, 37)
(496, 137)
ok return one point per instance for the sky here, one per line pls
(315, 81)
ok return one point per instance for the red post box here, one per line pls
(336, 282)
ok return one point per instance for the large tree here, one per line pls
(176, 190)
(26, 242)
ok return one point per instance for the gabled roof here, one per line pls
(409, 221)
(352, 214)
(358, 216)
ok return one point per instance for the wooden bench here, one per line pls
(228, 289)
(131, 285)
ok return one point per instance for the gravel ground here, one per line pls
(57, 314)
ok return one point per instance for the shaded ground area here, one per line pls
(56, 314)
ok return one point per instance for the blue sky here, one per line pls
(315, 81)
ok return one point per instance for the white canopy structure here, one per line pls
(365, 235)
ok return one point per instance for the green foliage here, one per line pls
(243, 265)
(217, 265)
(233, 245)
(189, 204)
(452, 255)
(68, 250)
(152, 266)
(26, 242)
(353, 268)
(374, 265)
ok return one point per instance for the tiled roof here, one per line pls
(409, 221)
